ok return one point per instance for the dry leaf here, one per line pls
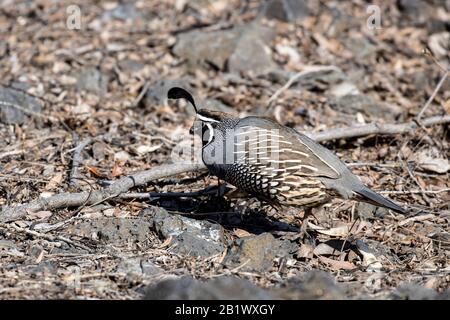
(325, 249)
(54, 182)
(46, 194)
(116, 170)
(447, 106)
(120, 214)
(95, 172)
(122, 156)
(341, 231)
(417, 218)
(143, 149)
(337, 265)
(305, 251)
(39, 214)
(166, 243)
(241, 233)
(432, 163)
(109, 212)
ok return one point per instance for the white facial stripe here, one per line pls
(206, 119)
(211, 132)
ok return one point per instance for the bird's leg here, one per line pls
(304, 227)
(218, 189)
(222, 189)
(302, 234)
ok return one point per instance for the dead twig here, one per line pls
(416, 191)
(43, 235)
(76, 158)
(65, 200)
(141, 94)
(433, 95)
(374, 128)
(295, 78)
(417, 218)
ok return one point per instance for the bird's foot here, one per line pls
(304, 236)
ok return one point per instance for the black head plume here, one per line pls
(180, 93)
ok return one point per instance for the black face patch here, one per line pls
(204, 130)
(207, 133)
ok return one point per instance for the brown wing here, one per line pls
(273, 162)
(271, 147)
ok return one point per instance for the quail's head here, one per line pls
(209, 120)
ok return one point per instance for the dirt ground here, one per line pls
(83, 103)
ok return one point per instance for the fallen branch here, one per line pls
(66, 200)
(77, 157)
(374, 128)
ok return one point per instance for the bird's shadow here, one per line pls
(218, 209)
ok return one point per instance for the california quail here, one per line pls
(275, 163)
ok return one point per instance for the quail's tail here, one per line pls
(377, 199)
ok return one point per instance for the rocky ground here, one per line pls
(102, 85)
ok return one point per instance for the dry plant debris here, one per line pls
(84, 109)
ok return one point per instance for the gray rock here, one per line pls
(198, 238)
(369, 211)
(413, 291)
(41, 269)
(341, 23)
(251, 54)
(126, 11)
(138, 267)
(223, 288)
(258, 252)
(92, 80)
(156, 94)
(7, 244)
(353, 103)
(118, 231)
(130, 65)
(99, 150)
(243, 48)
(13, 115)
(201, 47)
(34, 251)
(360, 47)
(312, 285)
(414, 11)
(286, 10)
